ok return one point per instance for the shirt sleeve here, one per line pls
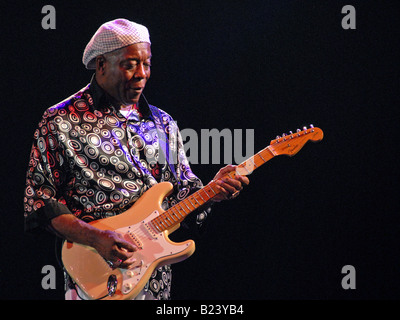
(45, 178)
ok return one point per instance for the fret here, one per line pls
(188, 199)
(180, 204)
(205, 193)
(154, 225)
(230, 174)
(259, 154)
(272, 153)
(191, 203)
(201, 196)
(251, 159)
(244, 167)
(251, 167)
(165, 216)
(165, 227)
(171, 214)
(158, 221)
(174, 213)
(213, 190)
(184, 202)
(168, 221)
(178, 213)
(157, 226)
(196, 199)
(208, 190)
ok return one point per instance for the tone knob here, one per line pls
(130, 273)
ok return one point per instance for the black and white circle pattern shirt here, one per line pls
(89, 160)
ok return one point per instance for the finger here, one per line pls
(236, 175)
(228, 168)
(226, 188)
(120, 255)
(225, 170)
(130, 263)
(123, 250)
(236, 184)
(114, 264)
(243, 179)
(123, 242)
(222, 192)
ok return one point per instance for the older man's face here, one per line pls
(126, 72)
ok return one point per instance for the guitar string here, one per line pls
(169, 218)
(163, 221)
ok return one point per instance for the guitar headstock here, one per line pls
(291, 143)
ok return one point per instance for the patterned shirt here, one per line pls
(90, 160)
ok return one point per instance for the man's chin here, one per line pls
(129, 102)
(132, 100)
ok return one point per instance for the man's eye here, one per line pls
(131, 65)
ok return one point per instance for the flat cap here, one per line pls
(111, 36)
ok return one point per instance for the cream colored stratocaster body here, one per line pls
(147, 226)
(95, 276)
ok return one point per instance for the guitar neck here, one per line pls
(176, 214)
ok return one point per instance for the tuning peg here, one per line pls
(311, 126)
(291, 132)
(278, 137)
(283, 134)
(304, 128)
(298, 130)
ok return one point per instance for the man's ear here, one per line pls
(100, 64)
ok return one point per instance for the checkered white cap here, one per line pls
(113, 35)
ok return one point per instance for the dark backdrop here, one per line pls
(271, 66)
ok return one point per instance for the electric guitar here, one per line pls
(147, 226)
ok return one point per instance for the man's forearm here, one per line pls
(73, 229)
(109, 244)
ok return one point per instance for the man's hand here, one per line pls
(229, 188)
(115, 249)
(109, 244)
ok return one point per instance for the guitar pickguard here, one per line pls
(153, 248)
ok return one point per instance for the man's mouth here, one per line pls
(136, 88)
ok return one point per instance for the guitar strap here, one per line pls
(164, 153)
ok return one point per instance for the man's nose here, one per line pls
(140, 71)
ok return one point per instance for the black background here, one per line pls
(271, 66)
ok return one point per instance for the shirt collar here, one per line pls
(101, 99)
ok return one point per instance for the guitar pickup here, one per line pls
(131, 237)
